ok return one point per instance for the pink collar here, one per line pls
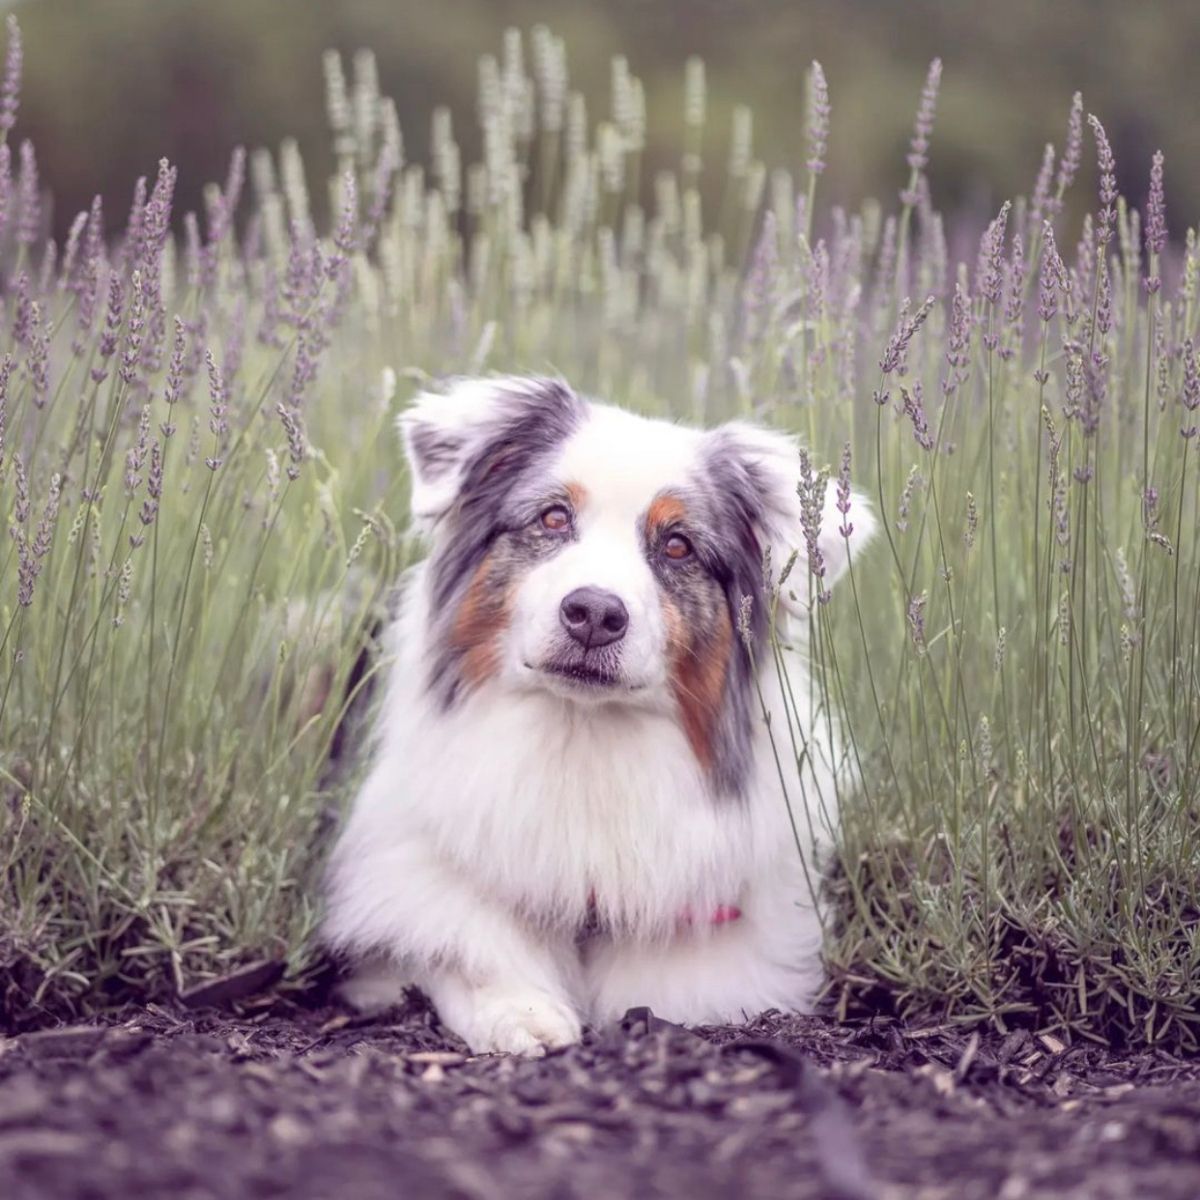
(721, 915)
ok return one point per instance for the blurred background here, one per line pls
(111, 85)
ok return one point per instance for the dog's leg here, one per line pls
(505, 1014)
(727, 973)
(497, 983)
(376, 985)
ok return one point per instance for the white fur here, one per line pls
(468, 860)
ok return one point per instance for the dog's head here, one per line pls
(607, 558)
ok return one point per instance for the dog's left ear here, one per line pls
(449, 435)
(765, 473)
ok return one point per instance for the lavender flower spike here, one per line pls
(10, 89)
(1108, 182)
(846, 528)
(818, 118)
(914, 408)
(918, 157)
(991, 251)
(1052, 276)
(1068, 165)
(29, 208)
(1156, 222)
(1041, 203)
(811, 491)
(897, 348)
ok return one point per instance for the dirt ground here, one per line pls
(319, 1104)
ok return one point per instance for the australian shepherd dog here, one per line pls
(576, 803)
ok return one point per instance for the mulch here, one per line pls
(197, 1105)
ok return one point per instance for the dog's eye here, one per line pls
(677, 547)
(556, 518)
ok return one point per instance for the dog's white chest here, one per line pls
(557, 811)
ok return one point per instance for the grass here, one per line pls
(198, 543)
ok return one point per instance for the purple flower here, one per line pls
(1095, 376)
(885, 267)
(1041, 203)
(135, 456)
(1104, 302)
(6, 369)
(31, 555)
(914, 408)
(1108, 182)
(6, 187)
(173, 386)
(131, 355)
(818, 118)
(293, 427)
(10, 89)
(1156, 208)
(344, 237)
(39, 357)
(132, 248)
(156, 215)
(29, 206)
(1014, 303)
(67, 277)
(761, 278)
(218, 407)
(971, 528)
(895, 354)
(1085, 257)
(918, 156)
(811, 490)
(958, 341)
(816, 279)
(912, 482)
(1190, 396)
(1068, 165)
(112, 327)
(221, 209)
(846, 528)
(1156, 222)
(1053, 276)
(988, 271)
(22, 311)
(154, 482)
(916, 621)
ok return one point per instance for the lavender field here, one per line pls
(204, 510)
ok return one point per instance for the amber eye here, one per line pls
(555, 518)
(677, 547)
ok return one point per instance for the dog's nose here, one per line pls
(593, 617)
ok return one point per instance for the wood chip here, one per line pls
(237, 985)
(442, 1058)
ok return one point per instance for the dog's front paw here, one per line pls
(519, 1021)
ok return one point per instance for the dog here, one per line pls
(583, 794)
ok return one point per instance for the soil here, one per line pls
(198, 1105)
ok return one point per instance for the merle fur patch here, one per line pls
(723, 514)
(488, 538)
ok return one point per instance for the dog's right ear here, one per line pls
(449, 435)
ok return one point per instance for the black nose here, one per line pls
(593, 617)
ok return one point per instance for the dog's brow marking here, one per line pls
(663, 511)
(577, 494)
(698, 674)
(479, 624)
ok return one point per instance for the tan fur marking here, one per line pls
(664, 511)
(577, 494)
(698, 679)
(479, 623)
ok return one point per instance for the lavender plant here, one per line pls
(204, 507)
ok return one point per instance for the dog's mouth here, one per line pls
(584, 676)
